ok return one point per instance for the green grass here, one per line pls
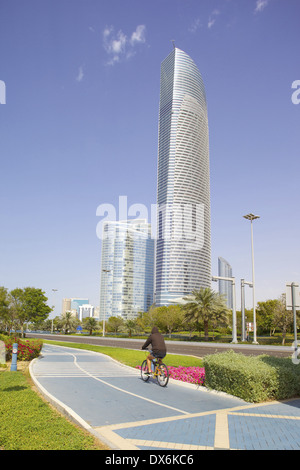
(132, 357)
(29, 423)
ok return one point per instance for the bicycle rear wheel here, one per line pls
(163, 375)
(144, 369)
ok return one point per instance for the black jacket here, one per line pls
(157, 342)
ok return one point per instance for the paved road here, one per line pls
(176, 347)
(112, 402)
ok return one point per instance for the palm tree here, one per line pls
(90, 324)
(203, 306)
(130, 326)
(68, 321)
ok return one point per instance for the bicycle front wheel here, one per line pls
(144, 369)
(162, 375)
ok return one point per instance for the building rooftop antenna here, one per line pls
(173, 42)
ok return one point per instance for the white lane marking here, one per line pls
(125, 391)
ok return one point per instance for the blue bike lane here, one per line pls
(112, 402)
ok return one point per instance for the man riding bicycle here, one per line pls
(158, 347)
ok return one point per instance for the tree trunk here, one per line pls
(206, 330)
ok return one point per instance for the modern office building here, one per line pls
(183, 253)
(66, 306)
(225, 287)
(76, 304)
(85, 311)
(127, 269)
(72, 305)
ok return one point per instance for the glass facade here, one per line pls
(225, 287)
(183, 253)
(127, 269)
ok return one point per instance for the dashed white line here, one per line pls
(125, 391)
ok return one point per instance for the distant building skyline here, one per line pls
(183, 253)
(127, 269)
(225, 287)
(73, 304)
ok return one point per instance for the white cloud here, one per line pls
(107, 31)
(80, 74)
(118, 46)
(196, 24)
(261, 5)
(211, 22)
(212, 18)
(138, 35)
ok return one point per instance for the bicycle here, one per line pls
(159, 371)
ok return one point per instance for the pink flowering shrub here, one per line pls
(193, 375)
(27, 349)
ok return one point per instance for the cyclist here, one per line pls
(158, 347)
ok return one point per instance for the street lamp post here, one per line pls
(252, 217)
(54, 290)
(103, 328)
(232, 279)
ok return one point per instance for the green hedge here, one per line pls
(252, 378)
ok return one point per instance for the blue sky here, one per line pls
(80, 121)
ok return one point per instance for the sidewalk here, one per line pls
(275, 426)
(112, 402)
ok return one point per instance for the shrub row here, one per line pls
(252, 378)
(28, 349)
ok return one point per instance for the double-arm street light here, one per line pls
(252, 217)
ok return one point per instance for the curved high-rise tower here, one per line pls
(183, 252)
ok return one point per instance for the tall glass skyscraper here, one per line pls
(183, 252)
(225, 287)
(127, 269)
